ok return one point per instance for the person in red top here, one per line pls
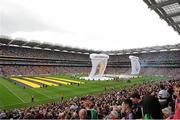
(177, 103)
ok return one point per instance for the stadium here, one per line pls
(43, 80)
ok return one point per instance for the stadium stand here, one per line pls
(15, 59)
(145, 101)
(108, 105)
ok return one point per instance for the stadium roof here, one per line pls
(19, 42)
(175, 47)
(169, 10)
(6, 41)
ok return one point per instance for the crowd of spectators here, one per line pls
(139, 102)
(38, 53)
(26, 61)
(158, 56)
(170, 72)
(10, 70)
(152, 100)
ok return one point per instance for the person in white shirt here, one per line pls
(163, 95)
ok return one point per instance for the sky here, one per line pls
(90, 24)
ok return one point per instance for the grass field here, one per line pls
(15, 96)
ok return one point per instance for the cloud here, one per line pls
(17, 18)
(96, 24)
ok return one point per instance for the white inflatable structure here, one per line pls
(99, 63)
(135, 65)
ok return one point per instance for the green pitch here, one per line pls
(15, 96)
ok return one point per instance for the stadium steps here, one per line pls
(51, 80)
(40, 81)
(66, 80)
(25, 82)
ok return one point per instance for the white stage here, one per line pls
(96, 78)
(110, 77)
(128, 76)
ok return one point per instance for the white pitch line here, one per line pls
(26, 102)
(14, 94)
(41, 94)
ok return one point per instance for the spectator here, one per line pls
(114, 115)
(82, 114)
(151, 108)
(91, 112)
(163, 96)
(32, 98)
(170, 90)
(127, 109)
(137, 106)
(177, 103)
(166, 112)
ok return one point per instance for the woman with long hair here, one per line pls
(151, 108)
